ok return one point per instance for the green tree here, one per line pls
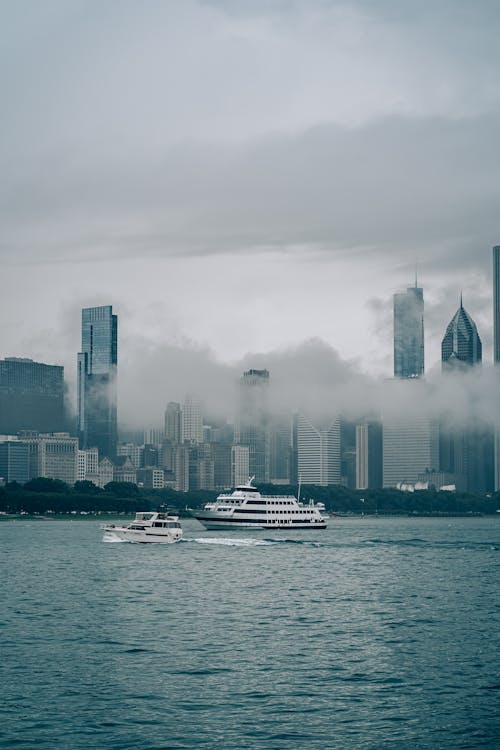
(43, 484)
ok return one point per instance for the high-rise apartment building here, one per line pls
(31, 396)
(409, 333)
(240, 465)
(461, 345)
(173, 422)
(192, 420)
(252, 427)
(318, 452)
(97, 369)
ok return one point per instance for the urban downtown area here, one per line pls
(404, 452)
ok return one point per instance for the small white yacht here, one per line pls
(148, 527)
(246, 508)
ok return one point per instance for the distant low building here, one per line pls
(124, 470)
(151, 477)
(53, 456)
(106, 471)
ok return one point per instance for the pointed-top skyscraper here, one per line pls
(97, 366)
(409, 333)
(461, 345)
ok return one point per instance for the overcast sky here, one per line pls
(240, 177)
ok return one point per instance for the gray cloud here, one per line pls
(328, 134)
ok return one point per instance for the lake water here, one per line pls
(376, 633)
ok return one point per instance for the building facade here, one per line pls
(410, 448)
(31, 396)
(14, 461)
(240, 465)
(318, 452)
(97, 371)
(54, 456)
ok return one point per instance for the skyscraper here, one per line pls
(252, 422)
(192, 420)
(461, 345)
(318, 452)
(496, 303)
(496, 350)
(410, 447)
(31, 396)
(368, 455)
(409, 333)
(97, 367)
(173, 422)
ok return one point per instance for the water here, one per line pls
(376, 633)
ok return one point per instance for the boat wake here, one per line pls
(225, 542)
(110, 538)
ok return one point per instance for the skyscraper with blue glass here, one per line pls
(97, 366)
(409, 333)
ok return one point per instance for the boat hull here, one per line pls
(142, 537)
(213, 523)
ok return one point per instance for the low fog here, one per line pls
(310, 378)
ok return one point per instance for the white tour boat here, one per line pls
(246, 508)
(148, 527)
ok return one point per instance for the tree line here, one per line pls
(51, 495)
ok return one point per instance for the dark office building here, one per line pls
(31, 396)
(97, 366)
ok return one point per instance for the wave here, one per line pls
(224, 541)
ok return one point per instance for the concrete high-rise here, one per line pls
(461, 345)
(410, 447)
(192, 420)
(31, 396)
(97, 370)
(318, 452)
(173, 422)
(409, 333)
(252, 426)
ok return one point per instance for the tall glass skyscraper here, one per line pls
(252, 426)
(496, 303)
(97, 366)
(461, 344)
(409, 333)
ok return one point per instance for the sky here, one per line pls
(247, 182)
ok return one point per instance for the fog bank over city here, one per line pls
(311, 378)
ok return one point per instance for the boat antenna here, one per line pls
(300, 482)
